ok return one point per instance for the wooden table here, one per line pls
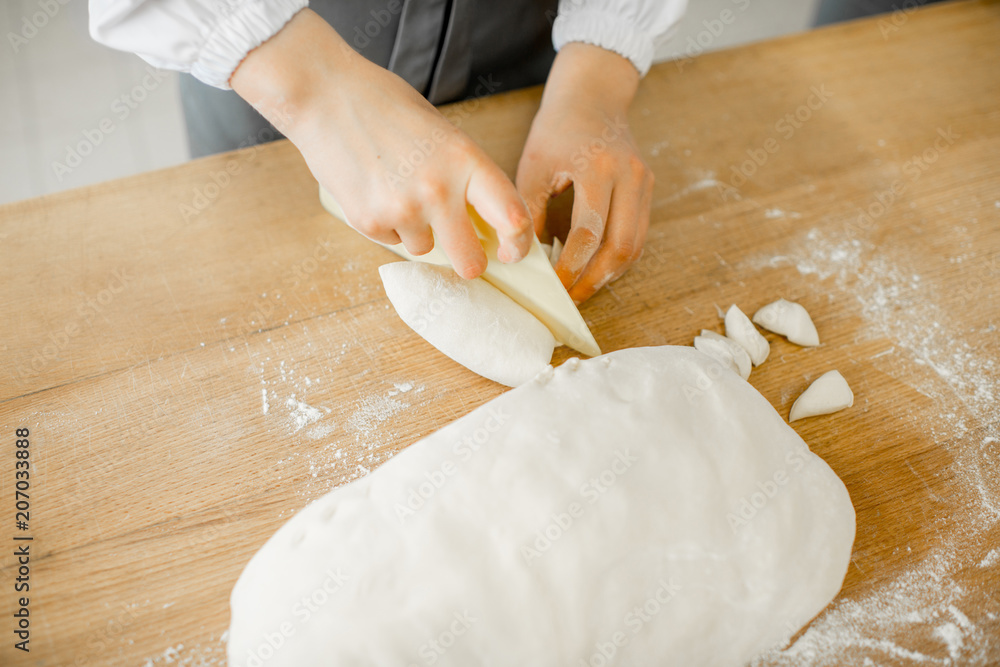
(198, 355)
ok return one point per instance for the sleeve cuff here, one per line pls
(249, 25)
(606, 31)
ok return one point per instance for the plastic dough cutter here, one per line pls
(532, 282)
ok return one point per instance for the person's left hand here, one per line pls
(580, 135)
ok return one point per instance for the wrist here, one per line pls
(588, 77)
(283, 77)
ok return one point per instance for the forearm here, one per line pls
(593, 76)
(283, 76)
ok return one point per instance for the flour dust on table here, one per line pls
(644, 507)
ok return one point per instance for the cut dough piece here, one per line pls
(790, 320)
(741, 329)
(470, 321)
(642, 504)
(725, 350)
(829, 393)
(721, 353)
(557, 247)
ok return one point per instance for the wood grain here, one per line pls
(137, 339)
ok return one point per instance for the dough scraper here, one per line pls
(532, 282)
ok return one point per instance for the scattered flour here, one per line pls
(331, 445)
(372, 412)
(302, 414)
(924, 596)
(320, 431)
(773, 213)
(401, 388)
(708, 181)
(211, 654)
(655, 149)
(929, 351)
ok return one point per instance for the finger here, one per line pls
(496, 199)
(533, 183)
(628, 222)
(459, 242)
(591, 200)
(417, 240)
(378, 234)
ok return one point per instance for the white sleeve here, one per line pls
(208, 38)
(631, 28)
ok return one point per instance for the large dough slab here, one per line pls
(644, 507)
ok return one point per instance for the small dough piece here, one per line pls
(640, 508)
(741, 329)
(557, 247)
(725, 350)
(470, 321)
(790, 320)
(829, 393)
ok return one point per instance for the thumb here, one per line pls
(494, 197)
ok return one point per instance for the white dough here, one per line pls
(741, 329)
(470, 321)
(718, 351)
(790, 320)
(644, 504)
(725, 350)
(557, 247)
(829, 393)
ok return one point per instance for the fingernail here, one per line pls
(510, 255)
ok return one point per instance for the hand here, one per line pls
(396, 166)
(580, 135)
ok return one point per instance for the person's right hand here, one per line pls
(395, 165)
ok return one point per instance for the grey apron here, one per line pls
(447, 50)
